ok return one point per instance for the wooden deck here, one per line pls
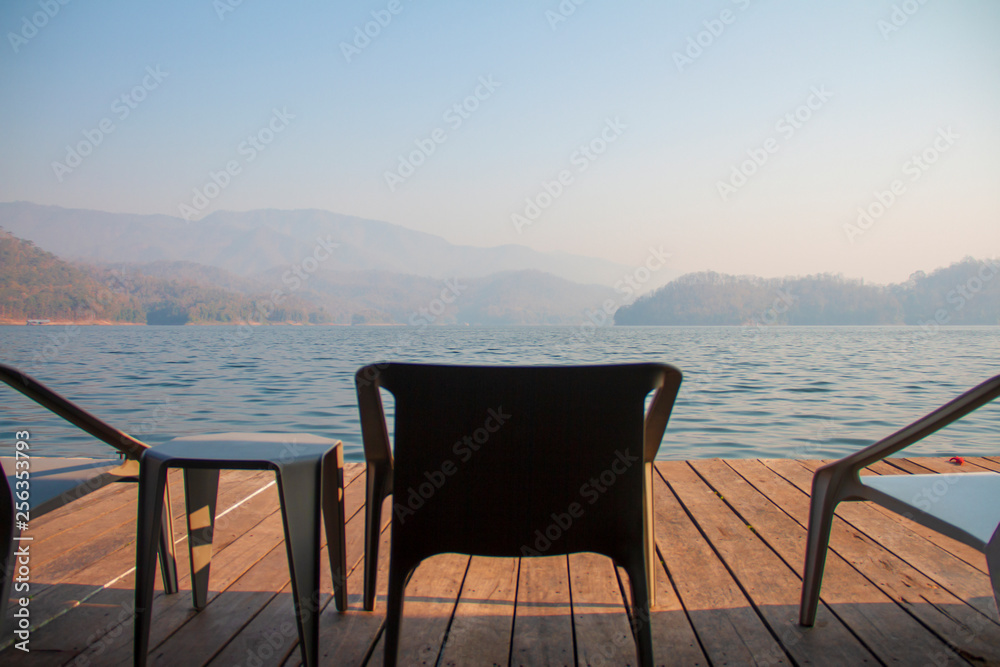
(730, 537)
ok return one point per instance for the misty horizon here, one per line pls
(739, 136)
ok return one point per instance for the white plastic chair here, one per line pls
(963, 506)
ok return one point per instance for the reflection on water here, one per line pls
(815, 392)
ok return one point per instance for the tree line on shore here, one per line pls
(35, 284)
(966, 292)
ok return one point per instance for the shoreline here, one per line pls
(104, 323)
(57, 323)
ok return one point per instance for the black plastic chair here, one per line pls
(492, 453)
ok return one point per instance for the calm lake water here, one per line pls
(795, 392)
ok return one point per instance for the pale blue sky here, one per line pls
(886, 96)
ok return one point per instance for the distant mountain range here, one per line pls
(248, 243)
(318, 267)
(281, 275)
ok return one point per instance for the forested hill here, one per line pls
(967, 292)
(37, 284)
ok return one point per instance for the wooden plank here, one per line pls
(937, 465)
(251, 622)
(879, 467)
(204, 633)
(543, 626)
(241, 539)
(769, 503)
(90, 611)
(772, 584)
(60, 555)
(346, 638)
(172, 612)
(251, 601)
(106, 609)
(481, 630)
(271, 636)
(430, 601)
(888, 604)
(984, 463)
(865, 538)
(91, 510)
(912, 467)
(728, 628)
(600, 621)
(674, 640)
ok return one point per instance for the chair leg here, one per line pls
(299, 484)
(168, 555)
(648, 534)
(642, 627)
(201, 491)
(821, 510)
(333, 517)
(152, 481)
(993, 564)
(375, 482)
(399, 575)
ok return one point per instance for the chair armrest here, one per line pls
(374, 433)
(953, 410)
(659, 413)
(74, 414)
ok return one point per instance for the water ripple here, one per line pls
(808, 392)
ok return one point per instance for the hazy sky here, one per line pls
(742, 136)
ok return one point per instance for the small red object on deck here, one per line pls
(957, 460)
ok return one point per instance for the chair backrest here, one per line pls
(520, 461)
